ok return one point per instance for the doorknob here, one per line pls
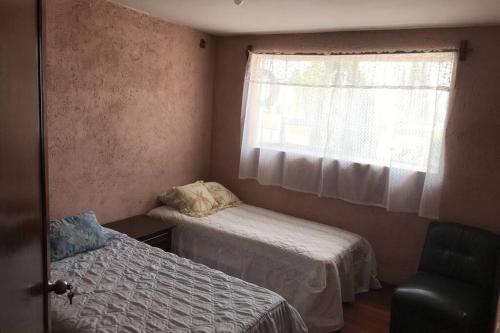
(60, 287)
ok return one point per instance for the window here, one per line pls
(379, 110)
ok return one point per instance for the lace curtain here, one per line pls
(367, 129)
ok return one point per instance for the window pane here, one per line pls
(386, 109)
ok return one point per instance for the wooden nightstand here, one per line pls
(152, 231)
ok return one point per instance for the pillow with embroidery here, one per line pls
(74, 234)
(194, 200)
(222, 195)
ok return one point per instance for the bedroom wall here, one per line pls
(471, 192)
(128, 100)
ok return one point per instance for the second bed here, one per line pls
(314, 266)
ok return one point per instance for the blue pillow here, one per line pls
(74, 234)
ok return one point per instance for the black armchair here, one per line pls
(455, 288)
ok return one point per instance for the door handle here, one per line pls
(60, 287)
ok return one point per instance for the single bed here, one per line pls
(128, 286)
(315, 267)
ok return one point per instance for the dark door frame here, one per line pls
(43, 163)
(24, 305)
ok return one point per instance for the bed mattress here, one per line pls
(314, 266)
(129, 286)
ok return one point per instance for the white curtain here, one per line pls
(367, 129)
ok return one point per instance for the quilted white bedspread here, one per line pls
(314, 266)
(129, 286)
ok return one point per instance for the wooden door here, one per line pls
(23, 245)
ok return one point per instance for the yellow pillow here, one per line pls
(222, 195)
(194, 200)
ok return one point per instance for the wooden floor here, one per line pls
(370, 313)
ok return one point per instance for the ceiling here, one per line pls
(223, 17)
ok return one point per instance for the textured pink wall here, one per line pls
(472, 191)
(129, 113)
(128, 107)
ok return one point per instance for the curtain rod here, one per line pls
(462, 51)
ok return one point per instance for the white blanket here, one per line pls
(314, 266)
(129, 286)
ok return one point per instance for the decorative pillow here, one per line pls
(74, 234)
(194, 200)
(222, 195)
(169, 198)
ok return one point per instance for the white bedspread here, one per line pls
(129, 286)
(314, 266)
